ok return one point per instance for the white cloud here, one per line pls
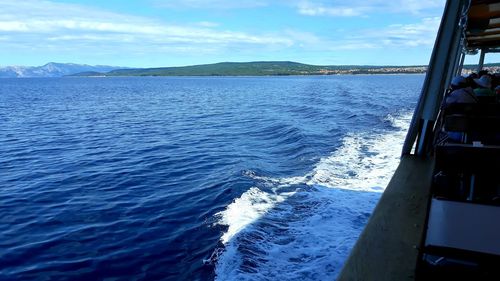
(34, 22)
(207, 24)
(420, 34)
(310, 9)
(210, 4)
(151, 31)
(354, 45)
(364, 7)
(412, 35)
(302, 36)
(416, 6)
(396, 36)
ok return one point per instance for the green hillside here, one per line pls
(223, 69)
(245, 69)
(264, 68)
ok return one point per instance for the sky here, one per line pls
(155, 33)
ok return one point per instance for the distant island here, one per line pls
(259, 68)
(267, 68)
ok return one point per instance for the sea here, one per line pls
(194, 178)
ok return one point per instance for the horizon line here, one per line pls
(220, 62)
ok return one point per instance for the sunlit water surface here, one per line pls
(250, 178)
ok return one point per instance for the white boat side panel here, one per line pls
(464, 226)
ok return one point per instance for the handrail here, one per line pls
(448, 41)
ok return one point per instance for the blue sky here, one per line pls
(153, 33)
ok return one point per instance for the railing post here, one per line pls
(461, 65)
(441, 67)
(481, 61)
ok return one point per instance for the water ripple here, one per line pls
(126, 178)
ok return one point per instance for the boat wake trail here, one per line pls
(304, 227)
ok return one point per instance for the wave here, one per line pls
(304, 227)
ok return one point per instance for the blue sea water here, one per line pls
(193, 178)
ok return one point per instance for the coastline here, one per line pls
(277, 75)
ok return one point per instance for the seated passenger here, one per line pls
(483, 72)
(472, 76)
(495, 80)
(461, 92)
(484, 87)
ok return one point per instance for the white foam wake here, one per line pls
(305, 226)
(364, 161)
(247, 209)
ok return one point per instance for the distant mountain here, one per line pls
(52, 69)
(259, 68)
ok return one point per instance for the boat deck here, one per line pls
(388, 247)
